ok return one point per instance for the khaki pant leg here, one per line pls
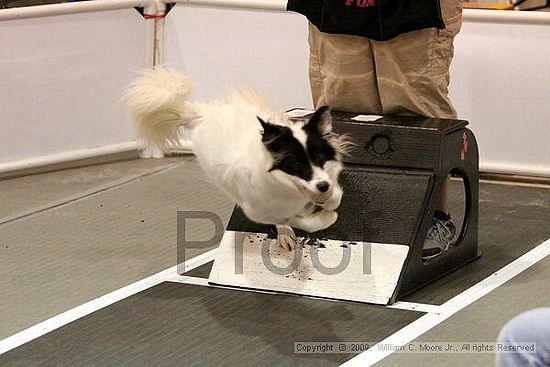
(413, 68)
(342, 73)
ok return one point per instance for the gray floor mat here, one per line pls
(60, 258)
(76, 252)
(184, 325)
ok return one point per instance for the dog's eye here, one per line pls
(320, 159)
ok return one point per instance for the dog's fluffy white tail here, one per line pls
(157, 104)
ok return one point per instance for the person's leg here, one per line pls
(341, 72)
(413, 79)
(529, 327)
(413, 68)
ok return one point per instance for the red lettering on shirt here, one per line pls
(361, 3)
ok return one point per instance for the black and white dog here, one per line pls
(277, 170)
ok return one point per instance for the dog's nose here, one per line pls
(323, 186)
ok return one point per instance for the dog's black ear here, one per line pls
(320, 122)
(272, 132)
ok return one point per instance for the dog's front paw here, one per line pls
(286, 238)
(286, 242)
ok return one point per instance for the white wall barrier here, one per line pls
(61, 77)
(220, 48)
(501, 84)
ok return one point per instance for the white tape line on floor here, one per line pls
(449, 308)
(412, 306)
(108, 299)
